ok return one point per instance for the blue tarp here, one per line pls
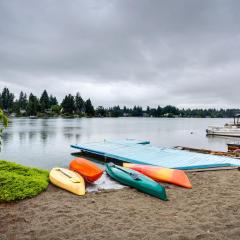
(142, 152)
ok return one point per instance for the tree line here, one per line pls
(47, 105)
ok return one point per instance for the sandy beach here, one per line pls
(210, 210)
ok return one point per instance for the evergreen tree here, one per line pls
(116, 111)
(101, 112)
(7, 99)
(89, 109)
(52, 101)
(44, 101)
(148, 111)
(153, 112)
(33, 105)
(159, 111)
(16, 107)
(137, 111)
(68, 105)
(170, 110)
(23, 101)
(79, 103)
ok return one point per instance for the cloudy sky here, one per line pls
(127, 52)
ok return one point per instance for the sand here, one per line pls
(211, 210)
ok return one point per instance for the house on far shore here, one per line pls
(146, 114)
(23, 111)
(48, 111)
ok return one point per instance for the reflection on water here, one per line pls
(46, 142)
(22, 136)
(7, 137)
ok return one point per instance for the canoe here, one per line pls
(160, 174)
(68, 180)
(136, 180)
(90, 171)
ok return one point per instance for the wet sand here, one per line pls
(211, 210)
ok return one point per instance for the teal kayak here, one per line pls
(136, 180)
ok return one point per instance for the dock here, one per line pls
(142, 152)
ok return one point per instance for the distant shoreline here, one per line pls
(71, 117)
(74, 105)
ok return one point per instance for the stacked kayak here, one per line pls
(160, 174)
(145, 178)
(136, 180)
(90, 171)
(72, 179)
(68, 180)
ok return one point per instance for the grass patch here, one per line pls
(18, 182)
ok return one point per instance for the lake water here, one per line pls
(46, 143)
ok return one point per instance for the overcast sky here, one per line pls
(128, 52)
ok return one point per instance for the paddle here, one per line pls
(133, 175)
(69, 176)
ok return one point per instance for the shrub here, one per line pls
(18, 182)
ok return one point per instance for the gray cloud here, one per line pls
(129, 52)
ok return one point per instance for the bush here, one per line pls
(19, 182)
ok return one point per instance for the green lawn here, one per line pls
(19, 182)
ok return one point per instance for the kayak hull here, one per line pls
(68, 180)
(90, 171)
(143, 183)
(161, 174)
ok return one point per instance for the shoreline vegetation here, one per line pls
(18, 182)
(75, 106)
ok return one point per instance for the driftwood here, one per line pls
(206, 151)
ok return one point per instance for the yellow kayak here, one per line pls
(68, 180)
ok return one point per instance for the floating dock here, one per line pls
(141, 152)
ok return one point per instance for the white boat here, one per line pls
(229, 129)
(32, 117)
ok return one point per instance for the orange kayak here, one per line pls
(90, 171)
(160, 174)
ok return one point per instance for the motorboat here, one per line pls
(229, 129)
